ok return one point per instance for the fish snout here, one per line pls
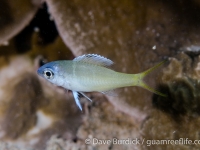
(40, 71)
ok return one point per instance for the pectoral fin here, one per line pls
(76, 97)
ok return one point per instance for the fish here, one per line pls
(91, 73)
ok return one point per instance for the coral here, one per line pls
(15, 16)
(101, 123)
(126, 35)
(31, 110)
(179, 111)
(181, 82)
(22, 107)
(136, 35)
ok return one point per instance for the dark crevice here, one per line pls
(47, 31)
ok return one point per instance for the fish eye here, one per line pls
(48, 74)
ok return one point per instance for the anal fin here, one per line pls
(110, 93)
(76, 97)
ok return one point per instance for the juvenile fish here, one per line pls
(89, 73)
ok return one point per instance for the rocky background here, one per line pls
(136, 35)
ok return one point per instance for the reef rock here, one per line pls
(31, 109)
(126, 32)
(14, 16)
(135, 35)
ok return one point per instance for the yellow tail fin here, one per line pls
(144, 85)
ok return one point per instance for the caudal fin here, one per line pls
(144, 85)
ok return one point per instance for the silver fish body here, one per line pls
(90, 73)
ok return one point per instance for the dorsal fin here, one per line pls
(94, 59)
